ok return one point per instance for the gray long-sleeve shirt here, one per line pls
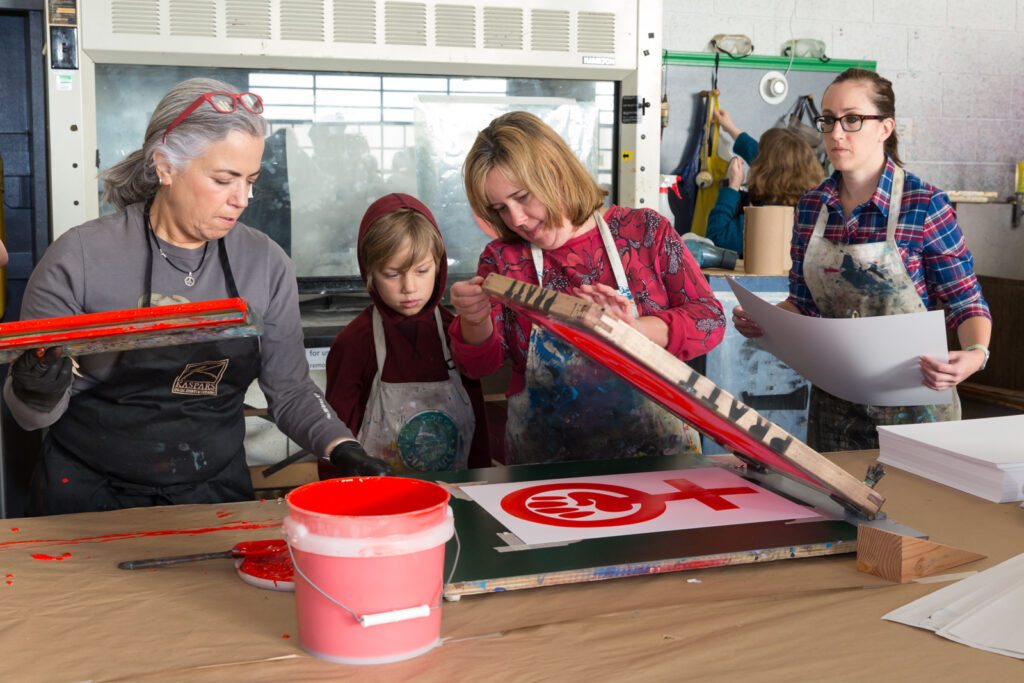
(101, 266)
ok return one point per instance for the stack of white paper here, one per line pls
(985, 611)
(983, 457)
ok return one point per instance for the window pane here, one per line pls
(339, 141)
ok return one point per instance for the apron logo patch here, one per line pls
(200, 379)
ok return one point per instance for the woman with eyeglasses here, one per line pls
(165, 425)
(871, 240)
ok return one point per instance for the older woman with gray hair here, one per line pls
(129, 429)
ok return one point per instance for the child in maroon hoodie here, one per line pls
(390, 376)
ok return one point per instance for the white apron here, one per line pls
(575, 409)
(861, 280)
(417, 426)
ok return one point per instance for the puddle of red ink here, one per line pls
(9, 577)
(14, 528)
(276, 567)
(64, 480)
(286, 636)
(60, 558)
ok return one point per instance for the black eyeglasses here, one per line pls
(851, 123)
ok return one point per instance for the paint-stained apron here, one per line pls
(166, 428)
(417, 426)
(575, 409)
(860, 280)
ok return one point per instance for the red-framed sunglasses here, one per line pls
(223, 102)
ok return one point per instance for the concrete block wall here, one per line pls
(957, 68)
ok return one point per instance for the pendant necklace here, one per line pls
(189, 278)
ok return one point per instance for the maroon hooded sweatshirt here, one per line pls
(414, 352)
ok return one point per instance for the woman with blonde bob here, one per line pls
(782, 167)
(525, 182)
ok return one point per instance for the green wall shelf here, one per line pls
(764, 62)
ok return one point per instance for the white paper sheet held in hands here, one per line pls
(872, 361)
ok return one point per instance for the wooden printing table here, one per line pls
(81, 618)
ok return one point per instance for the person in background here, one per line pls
(782, 168)
(389, 371)
(165, 425)
(874, 239)
(525, 182)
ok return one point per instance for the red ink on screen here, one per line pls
(64, 480)
(568, 504)
(676, 398)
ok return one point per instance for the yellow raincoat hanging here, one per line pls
(712, 167)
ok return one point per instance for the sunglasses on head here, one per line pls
(223, 102)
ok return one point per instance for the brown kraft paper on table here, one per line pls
(82, 618)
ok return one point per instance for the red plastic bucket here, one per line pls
(369, 564)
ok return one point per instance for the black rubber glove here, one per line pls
(40, 381)
(352, 461)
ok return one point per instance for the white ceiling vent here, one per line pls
(302, 20)
(595, 33)
(135, 17)
(355, 21)
(193, 18)
(503, 28)
(455, 25)
(549, 30)
(247, 19)
(405, 23)
(501, 38)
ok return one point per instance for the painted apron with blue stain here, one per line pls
(575, 409)
(417, 426)
(166, 428)
(861, 280)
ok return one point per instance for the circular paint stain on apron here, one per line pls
(428, 441)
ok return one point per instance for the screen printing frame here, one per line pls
(492, 559)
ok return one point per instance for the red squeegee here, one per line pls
(135, 328)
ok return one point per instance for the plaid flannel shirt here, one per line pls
(928, 237)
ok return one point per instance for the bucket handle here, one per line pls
(391, 616)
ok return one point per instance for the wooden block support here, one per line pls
(902, 558)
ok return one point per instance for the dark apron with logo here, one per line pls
(165, 429)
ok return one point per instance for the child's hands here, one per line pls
(473, 306)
